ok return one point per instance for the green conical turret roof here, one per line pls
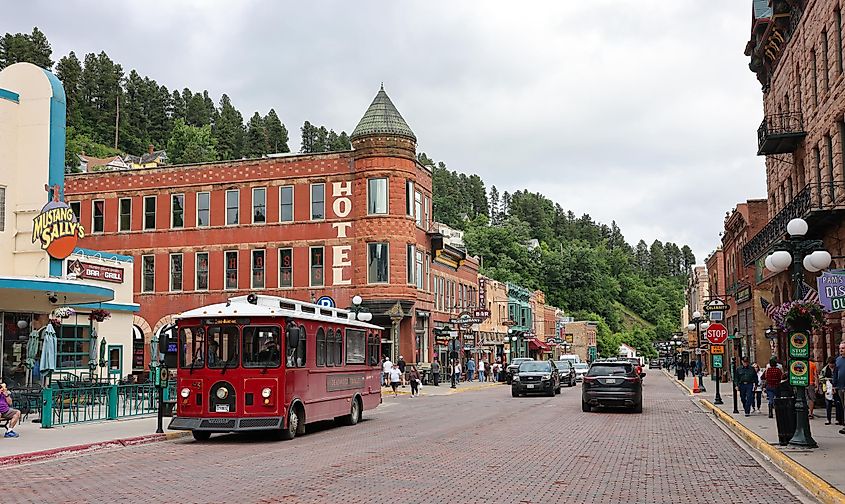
(382, 118)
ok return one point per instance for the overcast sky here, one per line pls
(642, 111)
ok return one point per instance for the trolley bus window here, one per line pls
(356, 346)
(222, 346)
(296, 356)
(261, 347)
(190, 347)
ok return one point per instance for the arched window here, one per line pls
(338, 348)
(329, 348)
(321, 347)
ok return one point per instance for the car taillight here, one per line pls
(589, 378)
(632, 379)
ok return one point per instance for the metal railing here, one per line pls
(77, 404)
(814, 199)
(790, 123)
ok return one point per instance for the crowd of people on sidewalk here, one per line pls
(397, 374)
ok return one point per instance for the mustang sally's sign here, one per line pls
(57, 228)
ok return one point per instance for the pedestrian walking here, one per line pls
(481, 368)
(395, 378)
(758, 388)
(402, 365)
(414, 378)
(839, 377)
(746, 377)
(386, 366)
(456, 371)
(435, 372)
(811, 389)
(681, 371)
(773, 377)
(831, 398)
(470, 369)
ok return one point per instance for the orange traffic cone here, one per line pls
(695, 389)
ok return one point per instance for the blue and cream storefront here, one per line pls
(45, 277)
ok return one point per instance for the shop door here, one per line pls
(115, 361)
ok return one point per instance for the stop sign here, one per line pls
(716, 334)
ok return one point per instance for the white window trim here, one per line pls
(119, 205)
(143, 272)
(386, 196)
(172, 197)
(197, 216)
(225, 267)
(292, 205)
(311, 209)
(155, 212)
(226, 207)
(170, 272)
(410, 188)
(279, 269)
(412, 249)
(252, 268)
(252, 217)
(310, 266)
(368, 263)
(196, 271)
(93, 206)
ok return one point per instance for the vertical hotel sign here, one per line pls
(56, 227)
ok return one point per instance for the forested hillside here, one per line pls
(585, 267)
(110, 112)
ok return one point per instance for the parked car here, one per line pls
(581, 369)
(513, 368)
(655, 363)
(566, 370)
(536, 377)
(612, 384)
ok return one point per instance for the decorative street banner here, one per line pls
(799, 373)
(832, 290)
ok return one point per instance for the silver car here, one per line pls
(581, 369)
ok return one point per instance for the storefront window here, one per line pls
(72, 346)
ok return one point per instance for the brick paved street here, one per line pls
(478, 446)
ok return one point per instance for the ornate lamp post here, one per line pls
(802, 254)
(698, 324)
(358, 311)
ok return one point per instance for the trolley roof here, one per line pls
(274, 306)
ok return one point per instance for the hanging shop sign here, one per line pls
(465, 319)
(743, 295)
(56, 227)
(831, 286)
(95, 271)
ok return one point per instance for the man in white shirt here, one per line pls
(395, 376)
(386, 366)
(481, 370)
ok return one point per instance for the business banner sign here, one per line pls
(95, 271)
(56, 227)
(831, 286)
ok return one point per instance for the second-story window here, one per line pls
(175, 272)
(286, 267)
(98, 224)
(318, 202)
(203, 209)
(426, 213)
(316, 266)
(377, 196)
(177, 211)
(378, 263)
(149, 212)
(148, 269)
(231, 259)
(125, 214)
(259, 205)
(76, 206)
(202, 271)
(409, 197)
(257, 269)
(418, 208)
(418, 270)
(232, 207)
(286, 204)
(409, 261)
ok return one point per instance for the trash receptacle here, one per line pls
(785, 415)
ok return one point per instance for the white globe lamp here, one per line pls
(365, 317)
(356, 300)
(796, 227)
(691, 327)
(769, 265)
(781, 260)
(696, 314)
(820, 259)
(705, 325)
(808, 264)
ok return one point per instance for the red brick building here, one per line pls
(300, 226)
(796, 51)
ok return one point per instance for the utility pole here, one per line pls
(117, 120)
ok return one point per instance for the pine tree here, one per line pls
(308, 142)
(69, 71)
(277, 134)
(494, 206)
(256, 137)
(229, 130)
(505, 211)
(20, 47)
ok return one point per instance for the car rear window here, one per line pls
(610, 370)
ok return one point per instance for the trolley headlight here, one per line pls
(265, 393)
(185, 392)
(222, 393)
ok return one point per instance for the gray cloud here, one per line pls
(643, 112)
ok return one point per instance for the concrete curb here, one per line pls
(679, 383)
(808, 480)
(38, 456)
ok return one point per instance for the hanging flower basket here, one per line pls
(99, 315)
(57, 322)
(799, 316)
(64, 312)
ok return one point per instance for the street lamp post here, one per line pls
(802, 254)
(734, 337)
(697, 324)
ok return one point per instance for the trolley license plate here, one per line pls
(530, 386)
(222, 408)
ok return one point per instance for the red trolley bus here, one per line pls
(269, 363)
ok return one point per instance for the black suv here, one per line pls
(567, 372)
(536, 376)
(612, 383)
(513, 367)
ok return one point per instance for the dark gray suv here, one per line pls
(612, 383)
(536, 377)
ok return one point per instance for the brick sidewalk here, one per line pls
(824, 461)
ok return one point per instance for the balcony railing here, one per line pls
(780, 133)
(815, 203)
